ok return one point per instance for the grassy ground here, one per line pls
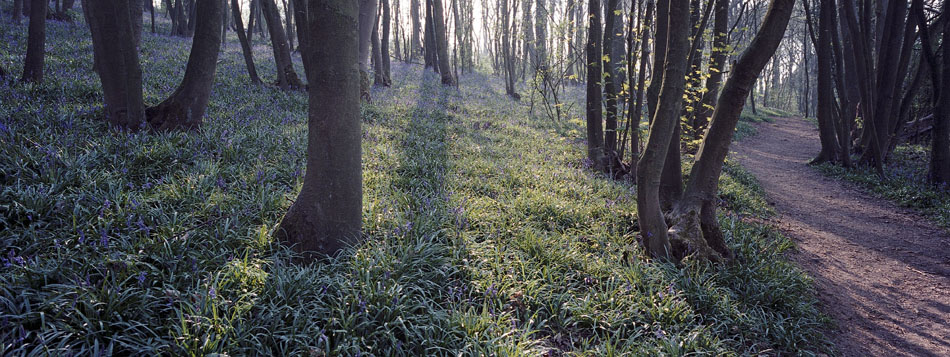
(906, 182)
(486, 232)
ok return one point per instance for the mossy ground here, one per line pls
(485, 231)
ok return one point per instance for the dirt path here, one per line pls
(882, 272)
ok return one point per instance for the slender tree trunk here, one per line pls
(595, 131)
(442, 42)
(116, 61)
(246, 48)
(36, 44)
(653, 227)
(151, 9)
(830, 151)
(530, 59)
(185, 108)
(415, 43)
(366, 20)
(611, 91)
(377, 55)
(694, 216)
(717, 65)
(387, 75)
(286, 75)
(507, 51)
(431, 48)
(637, 112)
(327, 214)
(17, 10)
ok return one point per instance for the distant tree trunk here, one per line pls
(569, 72)
(116, 60)
(245, 43)
(940, 78)
(252, 10)
(637, 112)
(431, 52)
(286, 75)
(442, 42)
(151, 9)
(288, 20)
(717, 64)
(415, 44)
(694, 221)
(530, 57)
(662, 129)
(377, 53)
(17, 10)
(397, 32)
(611, 92)
(366, 20)
(327, 214)
(185, 108)
(595, 131)
(384, 46)
(506, 49)
(36, 44)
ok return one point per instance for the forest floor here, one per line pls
(882, 272)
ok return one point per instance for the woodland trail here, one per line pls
(881, 271)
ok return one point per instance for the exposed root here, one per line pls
(687, 239)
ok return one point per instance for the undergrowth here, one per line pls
(487, 234)
(905, 182)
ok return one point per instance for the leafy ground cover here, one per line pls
(485, 231)
(906, 182)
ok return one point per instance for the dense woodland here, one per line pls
(440, 177)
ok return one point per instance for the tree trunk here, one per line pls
(717, 64)
(430, 46)
(595, 131)
(830, 151)
(116, 60)
(286, 75)
(528, 53)
(384, 46)
(185, 108)
(506, 49)
(442, 42)
(636, 114)
(17, 10)
(327, 214)
(366, 20)
(137, 7)
(245, 44)
(669, 103)
(611, 91)
(377, 59)
(415, 45)
(36, 43)
(940, 78)
(694, 219)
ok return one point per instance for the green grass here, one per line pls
(744, 128)
(487, 234)
(905, 183)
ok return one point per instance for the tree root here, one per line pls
(689, 238)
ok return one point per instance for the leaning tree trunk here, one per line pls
(36, 43)
(694, 218)
(666, 117)
(286, 75)
(442, 42)
(116, 60)
(245, 44)
(185, 108)
(327, 214)
(595, 130)
(366, 19)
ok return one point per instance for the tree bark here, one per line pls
(611, 91)
(717, 65)
(384, 46)
(116, 60)
(442, 42)
(286, 75)
(377, 59)
(940, 78)
(595, 131)
(694, 216)
(366, 20)
(415, 45)
(637, 113)
(327, 214)
(185, 108)
(17, 10)
(506, 49)
(669, 103)
(245, 44)
(36, 44)
(830, 150)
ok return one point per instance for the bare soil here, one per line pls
(882, 272)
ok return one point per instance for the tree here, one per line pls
(246, 48)
(17, 10)
(385, 43)
(366, 19)
(830, 150)
(595, 131)
(666, 116)
(327, 214)
(695, 228)
(36, 43)
(286, 75)
(717, 65)
(940, 78)
(185, 108)
(116, 61)
(442, 43)
(507, 51)
(611, 89)
(415, 44)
